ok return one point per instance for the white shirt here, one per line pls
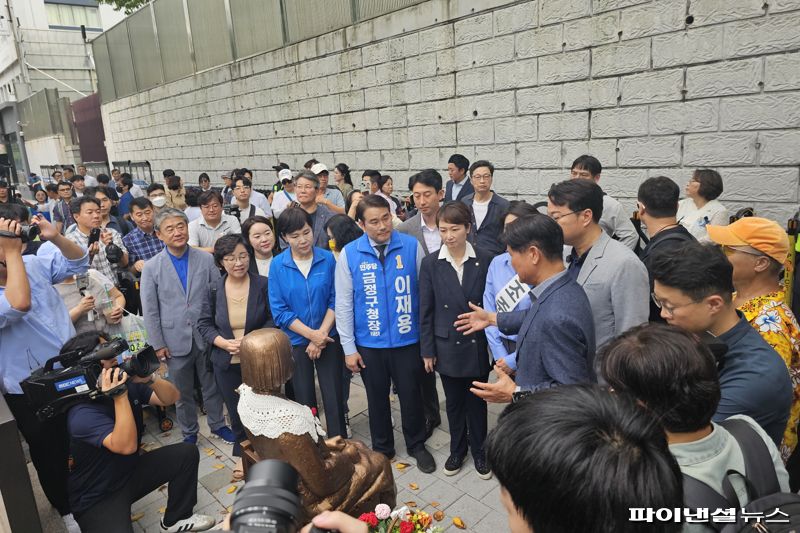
(136, 191)
(90, 181)
(281, 200)
(263, 266)
(259, 200)
(244, 213)
(458, 266)
(204, 236)
(392, 204)
(432, 237)
(304, 265)
(480, 209)
(193, 213)
(695, 220)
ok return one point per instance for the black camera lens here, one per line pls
(28, 232)
(113, 253)
(142, 364)
(269, 501)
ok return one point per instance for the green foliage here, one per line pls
(129, 6)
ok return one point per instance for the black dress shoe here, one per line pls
(425, 461)
(429, 427)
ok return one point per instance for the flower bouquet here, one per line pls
(402, 520)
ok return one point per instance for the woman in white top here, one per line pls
(701, 206)
(260, 237)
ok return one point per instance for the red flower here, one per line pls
(406, 527)
(370, 519)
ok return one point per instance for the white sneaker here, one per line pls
(70, 523)
(196, 522)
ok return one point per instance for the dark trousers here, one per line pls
(329, 368)
(465, 411)
(228, 380)
(403, 366)
(48, 442)
(175, 464)
(430, 398)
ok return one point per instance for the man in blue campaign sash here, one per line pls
(377, 315)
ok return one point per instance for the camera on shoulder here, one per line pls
(52, 391)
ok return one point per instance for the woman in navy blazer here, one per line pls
(238, 305)
(448, 282)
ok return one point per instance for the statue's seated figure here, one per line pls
(335, 474)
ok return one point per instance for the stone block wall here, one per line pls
(650, 87)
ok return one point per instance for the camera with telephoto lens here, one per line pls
(269, 501)
(233, 210)
(51, 391)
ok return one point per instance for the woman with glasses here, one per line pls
(238, 305)
(701, 208)
(301, 296)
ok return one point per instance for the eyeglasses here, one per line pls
(670, 309)
(231, 259)
(482, 177)
(729, 250)
(558, 217)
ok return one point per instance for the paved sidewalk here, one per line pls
(475, 501)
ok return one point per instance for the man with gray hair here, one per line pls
(306, 185)
(174, 288)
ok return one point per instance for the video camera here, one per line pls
(51, 391)
(27, 233)
(269, 501)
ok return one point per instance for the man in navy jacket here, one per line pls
(556, 341)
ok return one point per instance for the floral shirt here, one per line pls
(776, 323)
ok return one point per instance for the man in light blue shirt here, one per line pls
(34, 324)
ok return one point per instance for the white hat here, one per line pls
(285, 174)
(319, 168)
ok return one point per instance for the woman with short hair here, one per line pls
(301, 295)
(701, 208)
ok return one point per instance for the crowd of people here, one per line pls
(648, 344)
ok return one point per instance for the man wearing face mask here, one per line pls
(157, 195)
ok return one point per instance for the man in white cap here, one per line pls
(283, 198)
(330, 197)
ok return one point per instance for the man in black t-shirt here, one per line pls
(107, 474)
(658, 204)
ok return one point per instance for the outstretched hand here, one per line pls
(477, 320)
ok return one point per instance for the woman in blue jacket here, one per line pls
(301, 296)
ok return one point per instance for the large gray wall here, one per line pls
(650, 87)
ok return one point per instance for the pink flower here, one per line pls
(383, 511)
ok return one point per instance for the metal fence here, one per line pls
(140, 171)
(167, 40)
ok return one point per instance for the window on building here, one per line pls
(72, 16)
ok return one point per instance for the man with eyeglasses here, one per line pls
(242, 190)
(614, 279)
(213, 224)
(306, 186)
(757, 248)
(614, 221)
(62, 214)
(487, 209)
(693, 286)
(657, 205)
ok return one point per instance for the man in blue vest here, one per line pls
(377, 316)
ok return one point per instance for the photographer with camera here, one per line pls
(34, 324)
(108, 474)
(100, 242)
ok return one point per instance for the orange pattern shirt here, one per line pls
(776, 323)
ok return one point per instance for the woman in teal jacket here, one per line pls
(301, 297)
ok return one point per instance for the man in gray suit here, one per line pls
(175, 285)
(614, 279)
(426, 188)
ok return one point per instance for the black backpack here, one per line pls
(763, 490)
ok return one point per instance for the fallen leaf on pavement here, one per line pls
(435, 504)
(439, 516)
(136, 517)
(411, 504)
(232, 489)
(459, 523)
(413, 486)
(219, 466)
(162, 510)
(402, 466)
